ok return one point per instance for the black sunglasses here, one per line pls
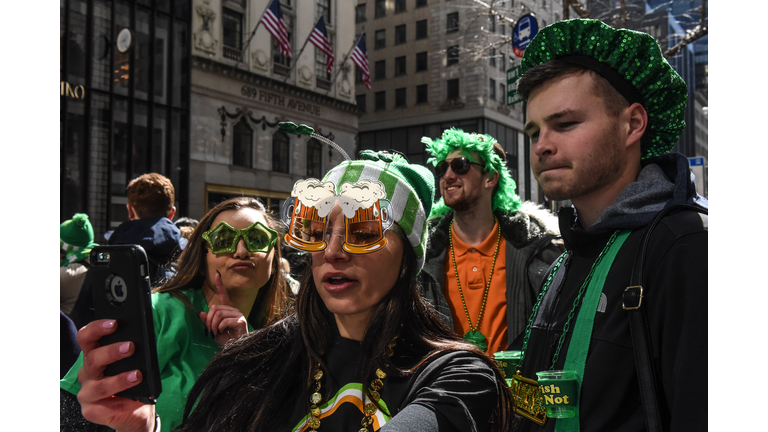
(460, 166)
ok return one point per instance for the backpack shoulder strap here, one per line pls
(638, 324)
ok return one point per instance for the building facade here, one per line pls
(194, 90)
(431, 69)
(242, 86)
(124, 102)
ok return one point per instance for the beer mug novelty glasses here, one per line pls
(366, 215)
(223, 238)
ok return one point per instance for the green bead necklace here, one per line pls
(474, 336)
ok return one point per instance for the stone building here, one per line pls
(433, 67)
(186, 88)
(242, 87)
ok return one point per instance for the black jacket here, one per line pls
(160, 239)
(529, 248)
(675, 300)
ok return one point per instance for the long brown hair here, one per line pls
(252, 385)
(191, 266)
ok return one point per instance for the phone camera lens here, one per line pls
(101, 256)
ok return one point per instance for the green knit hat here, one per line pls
(76, 238)
(409, 188)
(631, 61)
(453, 139)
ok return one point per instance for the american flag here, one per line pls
(319, 38)
(360, 57)
(273, 21)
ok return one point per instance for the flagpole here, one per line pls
(253, 33)
(300, 51)
(357, 39)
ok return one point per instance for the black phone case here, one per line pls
(121, 291)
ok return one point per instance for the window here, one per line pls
(492, 57)
(381, 8)
(321, 66)
(324, 10)
(453, 89)
(381, 39)
(399, 66)
(314, 159)
(453, 55)
(421, 3)
(453, 22)
(358, 76)
(492, 23)
(502, 61)
(421, 94)
(381, 101)
(492, 89)
(421, 61)
(502, 92)
(400, 98)
(360, 99)
(280, 147)
(400, 34)
(232, 23)
(399, 6)
(421, 29)
(380, 71)
(242, 139)
(360, 13)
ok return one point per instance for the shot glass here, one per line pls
(559, 393)
(508, 362)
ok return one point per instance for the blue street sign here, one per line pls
(524, 31)
(696, 161)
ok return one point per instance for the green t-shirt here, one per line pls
(183, 350)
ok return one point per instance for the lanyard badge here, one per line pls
(366, 215)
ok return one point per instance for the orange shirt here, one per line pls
(474, 266)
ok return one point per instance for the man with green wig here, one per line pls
(488, 251)
(623, 312)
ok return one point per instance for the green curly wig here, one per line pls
(453, 139)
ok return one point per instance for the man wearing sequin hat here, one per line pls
(622, 315)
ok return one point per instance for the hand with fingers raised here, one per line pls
(97, 395)
(223, 320)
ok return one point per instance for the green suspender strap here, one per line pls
(582, 331)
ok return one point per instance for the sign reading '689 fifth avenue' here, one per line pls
(280, 100)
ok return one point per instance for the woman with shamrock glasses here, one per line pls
(228, 271)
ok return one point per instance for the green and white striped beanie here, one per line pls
(410, 189)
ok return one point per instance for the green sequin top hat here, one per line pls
(636, 67)
(76, 239)
(453, 139)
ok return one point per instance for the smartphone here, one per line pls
(121, 291)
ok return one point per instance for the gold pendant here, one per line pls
(527, 397)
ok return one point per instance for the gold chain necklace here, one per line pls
(474, 336)
(369, 409)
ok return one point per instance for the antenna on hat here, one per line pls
(299, 130)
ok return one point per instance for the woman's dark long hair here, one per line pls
(253, 383)
(191, 266)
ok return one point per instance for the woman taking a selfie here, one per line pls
(228, 271)
(362, 350)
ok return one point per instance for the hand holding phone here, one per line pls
(95, 396)
(121, 293)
